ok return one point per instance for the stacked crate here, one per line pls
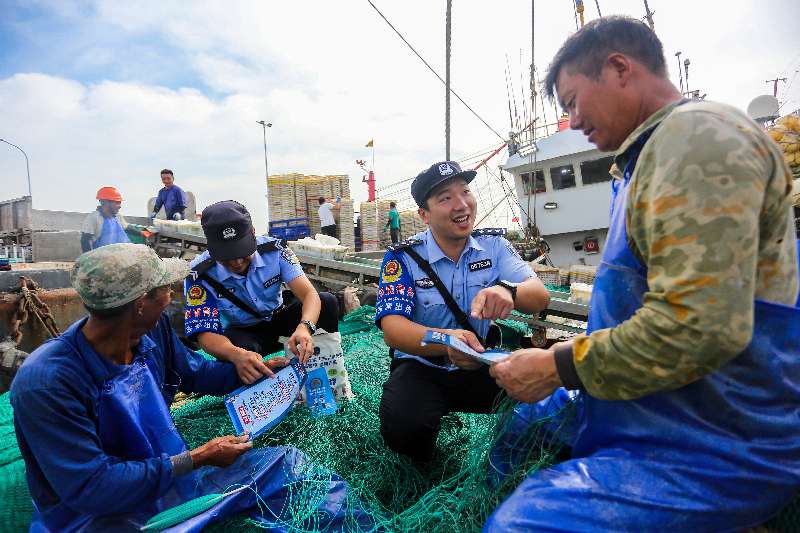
(297, 196)
(315, 186)
(410, 224)
(344, 224)
(383, 217)
(282, 197)
(340, 186)
(370, 233)
(582, 274)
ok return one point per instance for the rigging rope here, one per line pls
(434, 71)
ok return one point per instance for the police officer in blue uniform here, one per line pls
(235, 308)
(480, 274)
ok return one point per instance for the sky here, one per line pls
(101, 92)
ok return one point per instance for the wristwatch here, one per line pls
(512, 287)
(310, 325)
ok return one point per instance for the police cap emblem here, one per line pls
(229, 233)
(445, 169)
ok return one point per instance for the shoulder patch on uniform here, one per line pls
(392, 271)
(404, 244)
(288, 255)
(196, 295)
(200, 268)
(501, 232)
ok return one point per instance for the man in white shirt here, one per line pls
(326, 220)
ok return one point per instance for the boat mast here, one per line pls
(447, 82)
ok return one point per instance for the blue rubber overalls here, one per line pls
(720, 454)
(135, 423)
(112, 233)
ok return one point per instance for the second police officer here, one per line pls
(235, 308)
(480, 274)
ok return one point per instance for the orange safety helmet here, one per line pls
(109, 193)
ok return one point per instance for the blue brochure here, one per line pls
(319, 393)
(258, 407)
(488, 357)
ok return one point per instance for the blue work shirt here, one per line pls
(260, 288)
(173, 200)
(407, 291)
(55, 396)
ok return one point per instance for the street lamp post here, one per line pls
(27, 164)
(264, 126)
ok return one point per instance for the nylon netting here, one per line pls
(453, 493)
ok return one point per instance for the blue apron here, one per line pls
(720, 454)
(112, 233)
(798, 261)
(134, 423)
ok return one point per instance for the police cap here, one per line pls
(427, 180)
(229, 230)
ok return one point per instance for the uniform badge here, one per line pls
(391, 271)
(480, 265)
(229, 233)
(424, 283)
(196, 295)
(290, 256)
(272, 281)
(445, 169)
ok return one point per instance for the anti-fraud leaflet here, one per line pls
(258, 407)
(488, 357)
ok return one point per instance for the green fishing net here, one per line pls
(452, 493)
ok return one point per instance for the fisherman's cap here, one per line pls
(114, 275)
(229, 230)
(427, 180)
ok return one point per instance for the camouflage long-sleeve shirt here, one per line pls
(709, 214)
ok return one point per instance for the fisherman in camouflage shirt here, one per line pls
(686, 385)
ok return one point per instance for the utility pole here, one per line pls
(686, 64)
(264, 126)
(649, 15)
(680, 71)
(27, 165)
(447, 81)
(775, 85)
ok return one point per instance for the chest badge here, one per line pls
(271, 281)
(480, 265)
(424, 283)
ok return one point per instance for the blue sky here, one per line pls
(76, 44)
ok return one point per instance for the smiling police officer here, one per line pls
(234, 304)
(432, 281)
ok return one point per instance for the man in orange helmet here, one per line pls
(105, 225)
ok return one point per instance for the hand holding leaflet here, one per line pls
(488, 357)
(256, 408)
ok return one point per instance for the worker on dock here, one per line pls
(433, 281)
(687, 413)
(326, 221)
(105, 225)
(91, 412)
(171, 197)
(393, 223)
(235, 308)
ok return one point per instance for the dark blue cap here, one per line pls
(228, 230)
(438, 173)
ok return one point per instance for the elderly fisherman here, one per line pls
(93, 424)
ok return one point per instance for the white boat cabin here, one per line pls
(564, 187)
